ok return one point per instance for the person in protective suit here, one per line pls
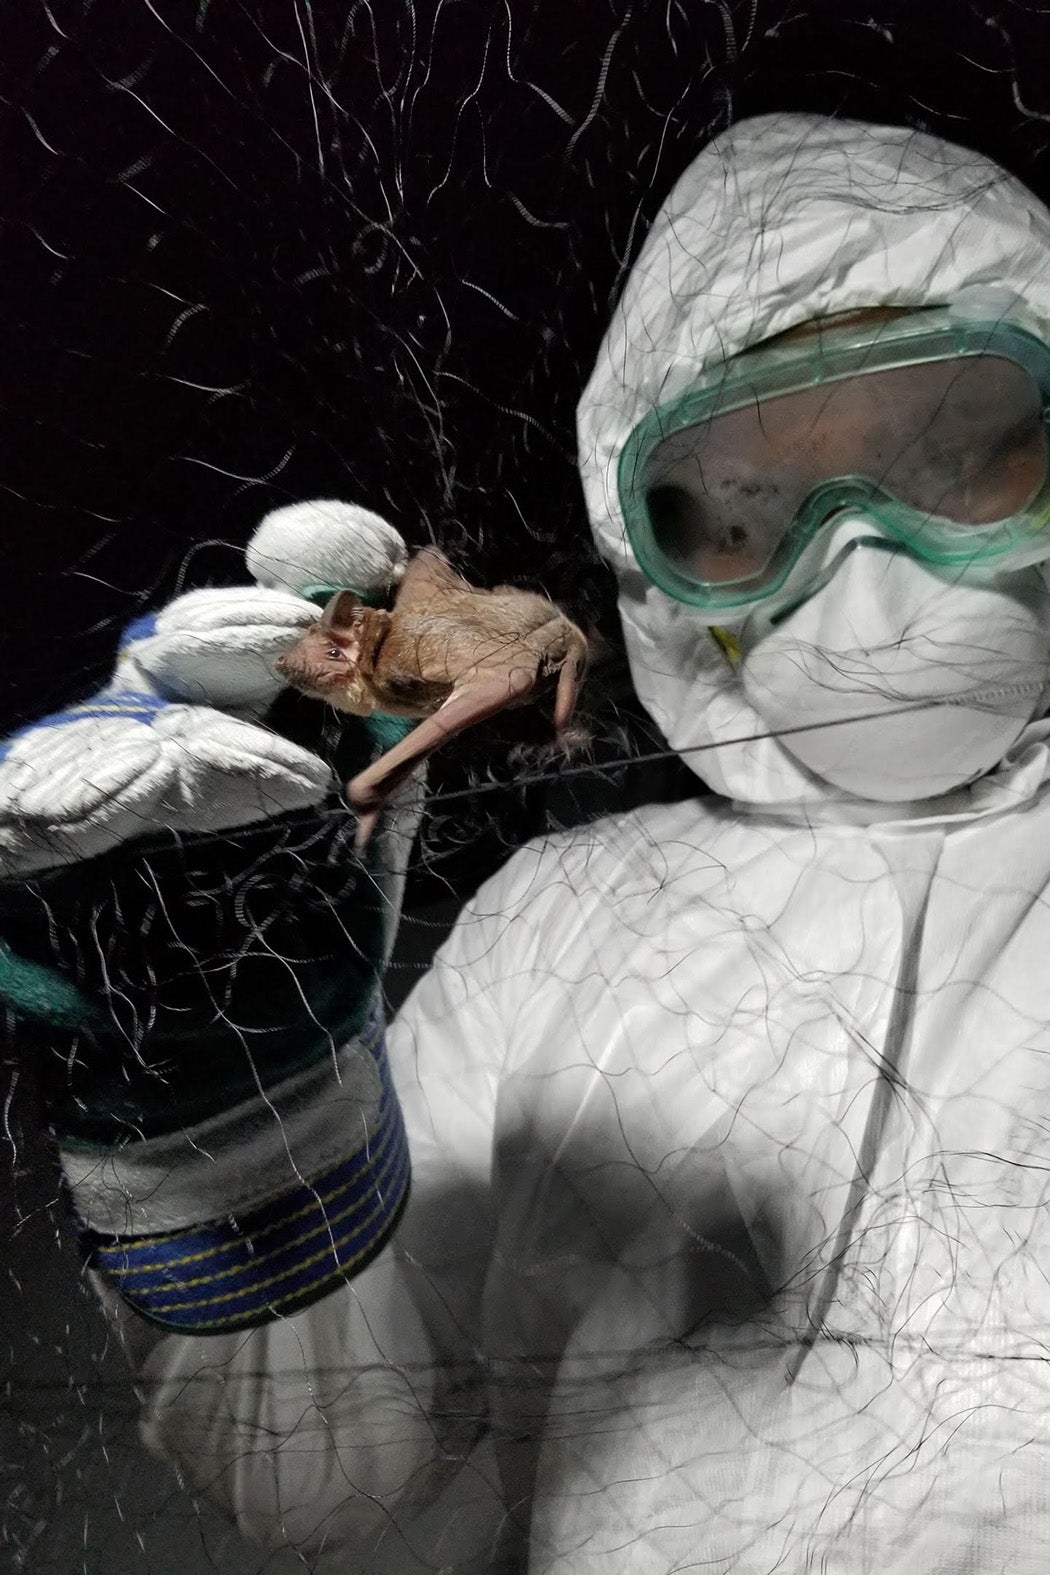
(727, 1119)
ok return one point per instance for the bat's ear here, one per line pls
(340, 612)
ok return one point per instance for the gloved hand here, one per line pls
(190, 950)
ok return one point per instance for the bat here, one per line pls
(446, 653)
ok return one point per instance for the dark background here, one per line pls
(258, 253)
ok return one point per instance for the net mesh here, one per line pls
(254, 254)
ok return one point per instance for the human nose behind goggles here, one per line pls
(932, 426)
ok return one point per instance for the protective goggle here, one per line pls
(933, 426)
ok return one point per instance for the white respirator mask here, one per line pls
(889, 680)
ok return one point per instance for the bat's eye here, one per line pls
(334, 654)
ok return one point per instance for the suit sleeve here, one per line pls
(342, 1429)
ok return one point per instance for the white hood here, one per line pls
(781, 219)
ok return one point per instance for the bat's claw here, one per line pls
(572, 740)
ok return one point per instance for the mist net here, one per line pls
(725, 1242)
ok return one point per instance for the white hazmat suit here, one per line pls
(730, 1120)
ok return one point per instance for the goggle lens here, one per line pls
(956, 440)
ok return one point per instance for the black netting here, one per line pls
(254, 254)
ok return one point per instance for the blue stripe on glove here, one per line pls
(246, 1269)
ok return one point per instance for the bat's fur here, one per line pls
(447, 651)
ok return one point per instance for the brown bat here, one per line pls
(447, 652)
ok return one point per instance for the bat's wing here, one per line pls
(480, 696)
(428, 578)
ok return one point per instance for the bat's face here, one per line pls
(316, 664)
(325, 663)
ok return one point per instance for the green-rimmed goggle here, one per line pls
(933, 426)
